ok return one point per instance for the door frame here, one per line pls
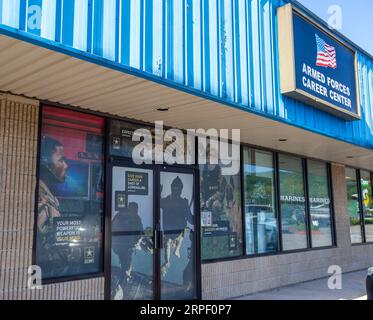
(157, 169)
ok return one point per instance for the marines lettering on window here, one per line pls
(70, 194)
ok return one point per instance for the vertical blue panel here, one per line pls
(229, 58)
(1, 11)
(240, 50)
(97, 26)
(255, 56)
(58, 20)
(169, 39)
(22, 15)
(117, 29)
(157, 38)
(80, 25)
(48, 19)
(125, 32)
(196, 60)
(142, 37)
(109, 29)
(148, 36)
(67, 29)
(89, 25)
(222, 45)
(135, 34)
(206, 47)
(268, 58)
(34, 16)
(189, 43)
(11, 13)
(214, 47)
(178, 41)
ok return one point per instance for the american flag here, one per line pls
(326, 55)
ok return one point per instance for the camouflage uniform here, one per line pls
(48, 209)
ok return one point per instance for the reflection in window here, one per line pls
(353, 205)
(260, 218)
(320, 205)
(221, 211)
(292, 201)
(366, 192)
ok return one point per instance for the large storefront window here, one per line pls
(221, 211)
(70, 203)
(292, 201)
(320, 204)
(366, 192)
(259, 198)
(353, 205)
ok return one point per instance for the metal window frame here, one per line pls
(82, 276)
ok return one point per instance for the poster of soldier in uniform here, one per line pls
(132, 234)
(70, 194)
(177, 221)
(220, 197)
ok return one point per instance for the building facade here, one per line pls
(78, 78)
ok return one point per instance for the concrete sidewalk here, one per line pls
(353, 288)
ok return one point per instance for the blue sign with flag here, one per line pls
(324, 68)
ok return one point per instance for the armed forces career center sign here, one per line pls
(315, 67)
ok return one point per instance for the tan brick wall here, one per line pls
(18, 151)
(236, 278)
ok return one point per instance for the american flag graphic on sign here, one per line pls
(326, 55)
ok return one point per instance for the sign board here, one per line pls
(137, 183)
(316, 67)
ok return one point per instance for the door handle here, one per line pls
(158, 239)
(161, 239)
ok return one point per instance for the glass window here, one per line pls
(292, 201)
(366, 192)
(71, 185)
(125, 136)
(320, 204)
(121, 134)
(259, 198)
(353, 205)
(221, 211)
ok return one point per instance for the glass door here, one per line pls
(178, 245)
(132, 230)
(153, 238)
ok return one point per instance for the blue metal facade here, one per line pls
(222, 49)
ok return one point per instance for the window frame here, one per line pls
(75, 277)
(280, 250)
(361, 208)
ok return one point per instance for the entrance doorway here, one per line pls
(153, 233)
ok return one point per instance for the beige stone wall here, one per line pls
(236, 278)
(18, 151)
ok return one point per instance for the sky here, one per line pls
(356, 22)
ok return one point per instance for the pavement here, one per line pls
(353, 288)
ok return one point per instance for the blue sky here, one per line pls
(357, 18)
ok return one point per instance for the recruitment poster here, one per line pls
(70, 194)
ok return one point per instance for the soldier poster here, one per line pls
(70, 194)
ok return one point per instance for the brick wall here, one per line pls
(236, 278)
(18, 151)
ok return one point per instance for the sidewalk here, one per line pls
(353, 288)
